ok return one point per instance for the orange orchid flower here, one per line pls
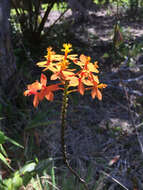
(61, 71)
(54, 60)
(62, 75)
(50, 55)
(93, 80)
(40, 90)
(37, 89)
(81, 88)
(95, 90)
(85, 64)
(49, 91)
(85, 75)
(67, 49)
(77, 81)
(89, 79)
(51, 59)
(61, 66)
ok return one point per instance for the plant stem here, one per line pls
(63, 127)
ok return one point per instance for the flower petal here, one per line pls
(81, 88)
(36, 100)
(73, 81)
(42, 63)
(102, 85)
(50, 96)
(92, 68)
(95, 78)
(87, 82)
(42, 94)
(26, 93)
(96, 92)
(99, 95)
(55, 76)
(43, 79)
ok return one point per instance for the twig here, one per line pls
(114, 179)
(128, 80)
(131, 115)
(132, 120)
(136, 92)
(50, 183)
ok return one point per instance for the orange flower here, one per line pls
(63, 65)
(32, 88)
(89, 79)
(62, 75)
(61, 71)
(40, 90)
(102, 85)
(96, 92)
(37, 89)
(86, 76)
(50, 55)
(54, 60)
(77, 80)
(67, 49)
(81, 88)
(85, 64)
(49, 91)
(51, 58)
(60, 65)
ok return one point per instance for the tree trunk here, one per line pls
(7, 61)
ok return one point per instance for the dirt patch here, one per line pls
(99, 24)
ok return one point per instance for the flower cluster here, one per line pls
(83, 78)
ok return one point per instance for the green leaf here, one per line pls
(106, 55)
(17, 181)
(2, 138)
(13, 142)
(28, 168)
(53, 176)
(3, 150)
(3, 159)
(8, 183)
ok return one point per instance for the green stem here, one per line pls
(63, 128)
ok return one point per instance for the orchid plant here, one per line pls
(70, 78)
